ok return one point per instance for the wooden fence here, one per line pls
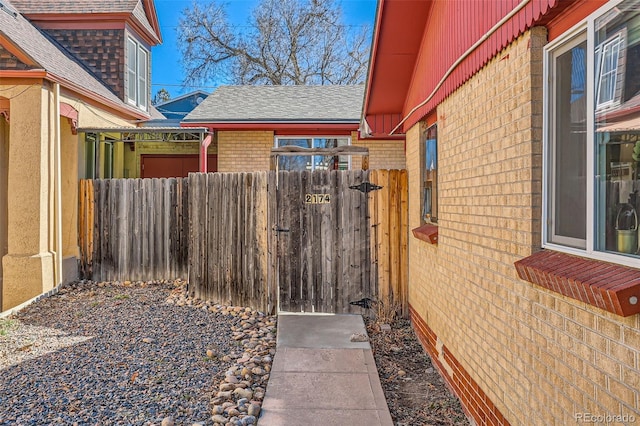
(388, 211)
(228, 243)
(220, 231)
(133, 229)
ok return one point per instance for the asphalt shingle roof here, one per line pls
(49, 55)
(134, 7)
(74, 6)
(280, 103)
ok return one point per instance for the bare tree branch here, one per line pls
(285, 42)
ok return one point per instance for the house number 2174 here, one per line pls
(317, 198)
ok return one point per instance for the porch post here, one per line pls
(28, 265)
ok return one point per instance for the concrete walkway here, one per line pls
(319, 377)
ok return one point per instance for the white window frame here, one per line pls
(348, 138)
(592, 178)
(550, 165)
(139, 72)
(619, 41)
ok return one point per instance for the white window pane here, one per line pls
(132, 92)
(617, 130)
(296, 162)
(142, 78)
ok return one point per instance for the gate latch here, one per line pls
(366, 187)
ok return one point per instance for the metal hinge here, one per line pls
(366, 187)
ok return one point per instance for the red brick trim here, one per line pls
(613, 288)
(475, 402)
(428, 233)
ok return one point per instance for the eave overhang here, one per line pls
(397, 36)
(95, 21)
(338, 127)
(86, 95)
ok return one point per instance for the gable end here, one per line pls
(8, 61)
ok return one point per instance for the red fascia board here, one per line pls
(86, 95)
(281, 128)
(94, 21)
(135, 27)
(17, 52)
(150, 7)
(396, 44)
(97, 24)
(75, 20)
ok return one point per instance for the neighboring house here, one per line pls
(176, 109)
(521, 119)
(64, 67)
(249, 121)
(161, 157)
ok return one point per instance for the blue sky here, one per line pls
(166, 69)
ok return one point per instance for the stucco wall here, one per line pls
(4, 163)
(28, 264)
(541, 358)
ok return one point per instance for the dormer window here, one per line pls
(137, 72)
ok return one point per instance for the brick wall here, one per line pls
(102, 51)
(251, 150)
(533, 356)
(382, 154)
(243, 151)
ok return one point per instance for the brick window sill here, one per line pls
(428, 233)
(614, 288)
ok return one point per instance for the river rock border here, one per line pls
(237, 399)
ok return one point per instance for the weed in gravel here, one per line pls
(387, 310)
(6, 325)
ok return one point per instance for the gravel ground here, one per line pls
(415, 392)
(134, 354)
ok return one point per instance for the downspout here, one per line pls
(203, 153)
(57, 196)
(469, 51)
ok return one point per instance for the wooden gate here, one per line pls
(303, 241)
(321, 229)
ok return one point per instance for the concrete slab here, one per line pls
(301, 391)
(320, 378)
(320, 331)
(316, 417)
(320, 360)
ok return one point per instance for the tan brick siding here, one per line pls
(244, 151)
(382, 154)
(241, 151)
(540, 357)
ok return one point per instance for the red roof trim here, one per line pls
(91, 23)
(97, 21)
(449, 29)
(86, 95)
(152, 15)
(282, 128)
(17, 52)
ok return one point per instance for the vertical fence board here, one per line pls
(388, 209)
(218, 230)
(128, 229)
